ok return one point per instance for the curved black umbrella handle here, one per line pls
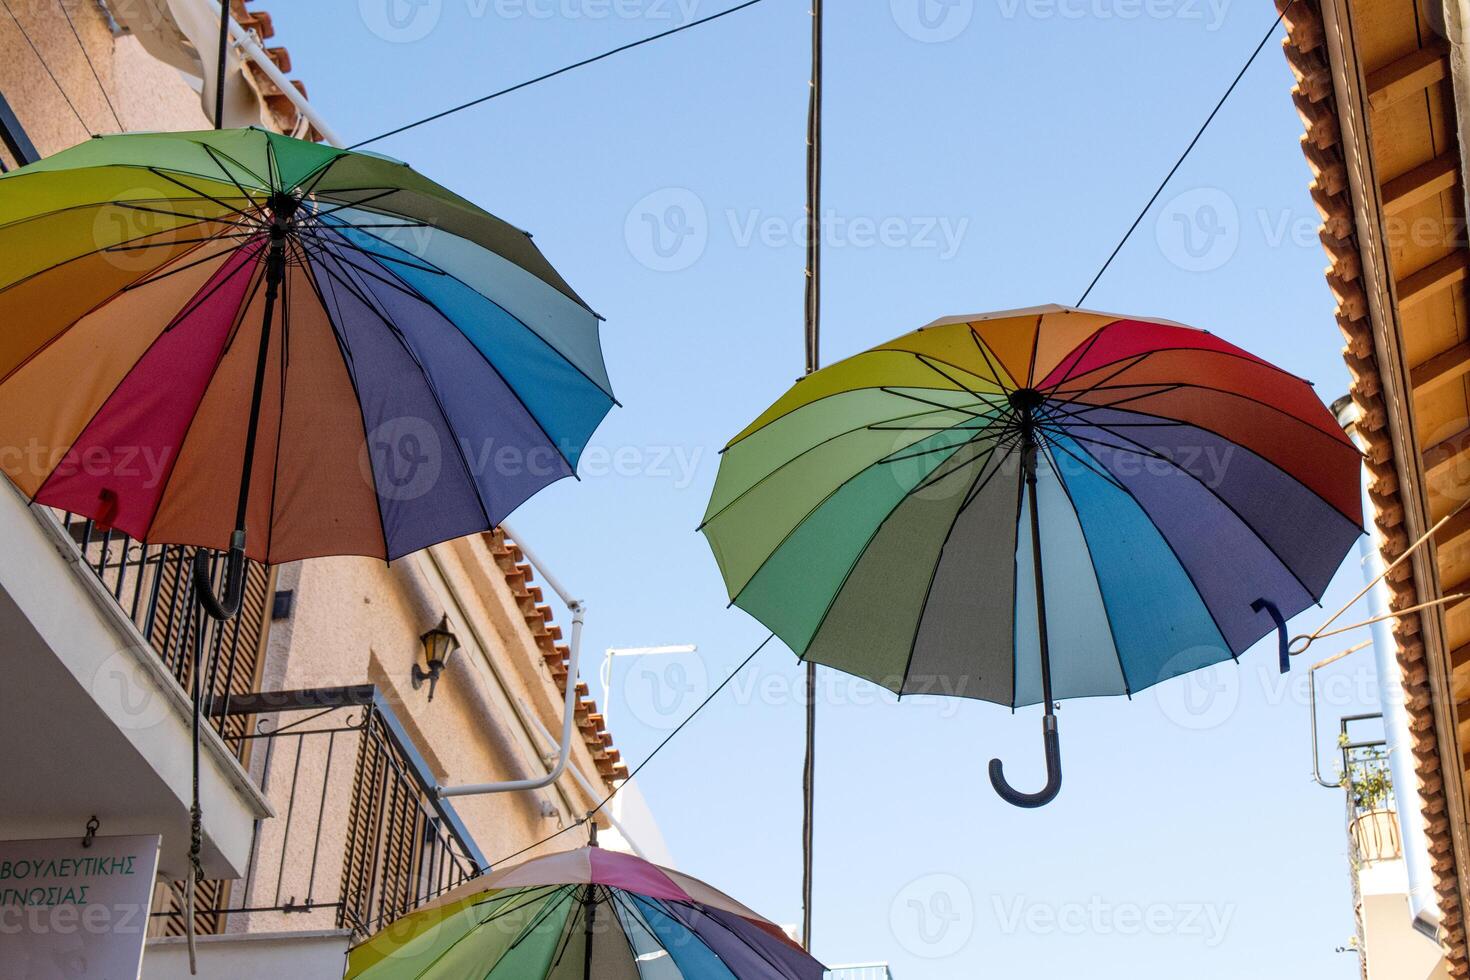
(1030, 801)
(1283, 639)
(226, 608)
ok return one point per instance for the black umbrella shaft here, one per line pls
(591, 915)
(275, 271)
(1028, 457)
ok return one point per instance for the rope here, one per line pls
(196, 832)
(1324, 631)
(1180, 162)
(560, 71)
(61, 5)
(47, 68)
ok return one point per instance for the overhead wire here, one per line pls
(45, 67)
(1187, 150)
(553, 74)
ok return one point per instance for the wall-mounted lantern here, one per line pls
(439, 645)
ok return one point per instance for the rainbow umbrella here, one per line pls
(1034, 505)
(214, 332)
(579, 914)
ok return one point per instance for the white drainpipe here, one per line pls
(249, 47)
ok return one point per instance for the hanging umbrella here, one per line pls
(211, 333)
(214, 332)
(588, 913)
(1029, 506)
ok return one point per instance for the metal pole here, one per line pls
(813, 362)
(219, 77)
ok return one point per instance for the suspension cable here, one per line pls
(45, 67)
(1180, 162)
(560, 71)
(61, 5)
(651, 756)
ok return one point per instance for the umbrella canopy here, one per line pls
(877, 518)
(214, 330)
(584, 913)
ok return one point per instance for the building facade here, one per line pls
(1381, 87)
(347, 694)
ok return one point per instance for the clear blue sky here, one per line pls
(986, 157)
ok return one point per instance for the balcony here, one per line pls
(104, 718)
(359, 839)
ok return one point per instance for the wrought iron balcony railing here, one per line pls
(359, 837)
(152, 584)
(860, 971)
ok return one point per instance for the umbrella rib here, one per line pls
(214, 372)
(857, 560)
(793, 529)
(993, 365)
(499, 374)
(433, 390)
(341, 241)
(151, 278)
(317, 175)
(1235, 354)
(349, 365)
(215, 151)
(550, 346)
(1144, 450)
(198, 193)
(1133, 362)
(570, 929)
(1336, 443)
(520, 937)
(221, 236)
(231, 177)
(346, 205)
(614, 898)
(1339, 443)
(922, 401)
(1091, 342)
(710, 915)
(884, 388)
(975, 493)
(924, 360)
(811, 449)
(993, 465)
(1179, 560)
(1092, 561)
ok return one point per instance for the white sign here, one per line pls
(69, 912)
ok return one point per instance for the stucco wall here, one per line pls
(145, 93)
(356, 621)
